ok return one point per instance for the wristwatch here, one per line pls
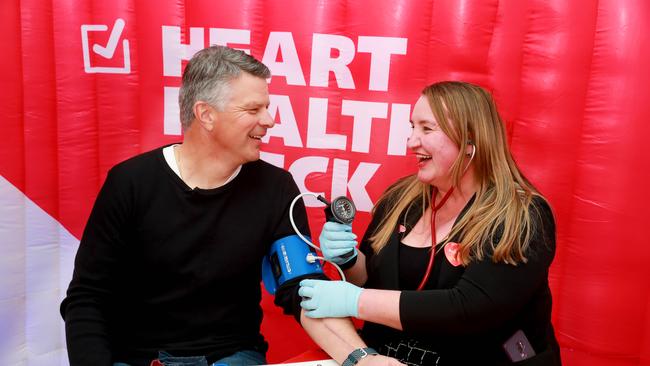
(358, 355)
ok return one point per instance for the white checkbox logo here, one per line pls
(107, 51)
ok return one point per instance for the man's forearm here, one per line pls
(86, 347)
(336, 336)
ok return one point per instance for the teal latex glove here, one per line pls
(329, 299)
(336, 240)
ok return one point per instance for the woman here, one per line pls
(483, 297)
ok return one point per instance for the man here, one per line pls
(169, 263)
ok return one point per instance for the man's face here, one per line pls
(244, 120)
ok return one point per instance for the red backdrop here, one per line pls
(86, 84)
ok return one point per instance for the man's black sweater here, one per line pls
(162, 266)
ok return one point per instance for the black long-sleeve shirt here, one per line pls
(466, 313)
(162, 266)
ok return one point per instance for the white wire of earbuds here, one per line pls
(471, 157)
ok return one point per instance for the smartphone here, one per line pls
(518, 348)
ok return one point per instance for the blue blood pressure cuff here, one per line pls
(287, 260)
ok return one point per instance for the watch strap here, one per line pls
(357, 355)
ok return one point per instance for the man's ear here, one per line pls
(205, 114)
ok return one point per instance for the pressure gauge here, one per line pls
(342, 210)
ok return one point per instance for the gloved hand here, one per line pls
(329, 299)
(337, 239)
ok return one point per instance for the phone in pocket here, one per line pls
(518, 348)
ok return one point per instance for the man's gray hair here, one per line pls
(207, 77)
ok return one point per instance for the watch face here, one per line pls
(343, 209)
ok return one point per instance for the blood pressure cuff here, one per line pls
(286, 260)
(284, 267)
(287, 296)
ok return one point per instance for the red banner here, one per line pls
(88, 84)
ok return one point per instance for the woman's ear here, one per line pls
(470, 150)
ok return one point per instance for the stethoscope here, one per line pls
(434, 209)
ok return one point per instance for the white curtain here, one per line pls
(36, 261)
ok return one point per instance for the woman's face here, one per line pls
(434, 150)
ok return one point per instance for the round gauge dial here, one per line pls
(343, 209)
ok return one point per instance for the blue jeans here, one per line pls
(241, 358)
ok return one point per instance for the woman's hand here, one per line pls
(329, 299)
(338, 242)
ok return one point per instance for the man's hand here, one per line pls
(379, 360)
(329, 299)
(337, 240)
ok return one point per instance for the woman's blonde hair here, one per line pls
(500, 215)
